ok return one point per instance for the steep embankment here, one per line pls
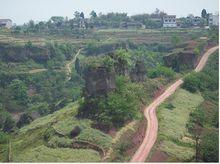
(150, 114)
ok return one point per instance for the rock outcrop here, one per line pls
(185, 58)
(18, 53)
(181, 61)
(99, 81)
(138, 73)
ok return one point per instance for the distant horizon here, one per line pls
(23, 11)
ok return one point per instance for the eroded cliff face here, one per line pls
(186, 58)
(99, 81)
(138, 73)
(181, 61)
(17, 53)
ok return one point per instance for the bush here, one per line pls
(161, 71)
(169, 106)
(210, 147)
(191, 82)
(63, 142)
(121, 105)
(24, 120)
(3, 137)
(75, 132)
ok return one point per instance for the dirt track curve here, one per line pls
(150, 113)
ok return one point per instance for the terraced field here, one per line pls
(48, 139)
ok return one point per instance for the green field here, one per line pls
(173, 116)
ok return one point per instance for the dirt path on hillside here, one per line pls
(68, 66)
(150, 113)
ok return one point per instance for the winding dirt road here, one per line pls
(150, 113)
(68, 65)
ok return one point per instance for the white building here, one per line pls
(169, 21)
(213, 20)
(6, 23)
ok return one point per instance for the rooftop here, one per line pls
(5, 20)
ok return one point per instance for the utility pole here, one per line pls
(9, 151)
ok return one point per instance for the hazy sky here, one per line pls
(21, 11)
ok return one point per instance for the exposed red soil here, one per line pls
(159, 156)
(137, 138)
(112, 132)
(158, 92)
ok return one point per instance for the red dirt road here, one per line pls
(150, 113)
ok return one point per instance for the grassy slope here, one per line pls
(30, 144)
(43, 153)
(173, 136)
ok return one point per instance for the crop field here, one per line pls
(107, 35)
(149, 36)
(173, 116)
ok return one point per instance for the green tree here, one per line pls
(93, 14)
(161, 71)
(3, 137)
(191, 82)
(120, 105)
(122, 61)
(18, 90)
(9, 124)
(82, 15)
(210, 147)
(204, 13)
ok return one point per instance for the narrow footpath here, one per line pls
(69, 65)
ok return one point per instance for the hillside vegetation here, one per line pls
(188, 120)
(50, 112)
(173, 116)
(48, 139)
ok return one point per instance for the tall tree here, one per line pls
(93, 14)
(19, 91)
(76, 14)
(82, 15)
(204, 13)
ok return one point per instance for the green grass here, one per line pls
(40, 141)
(56, 142)
(96, 137)
(66, 126)
(177, 152)
(45, 154)
(65, 113)
(173, 133)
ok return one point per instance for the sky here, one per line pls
(21, 11)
